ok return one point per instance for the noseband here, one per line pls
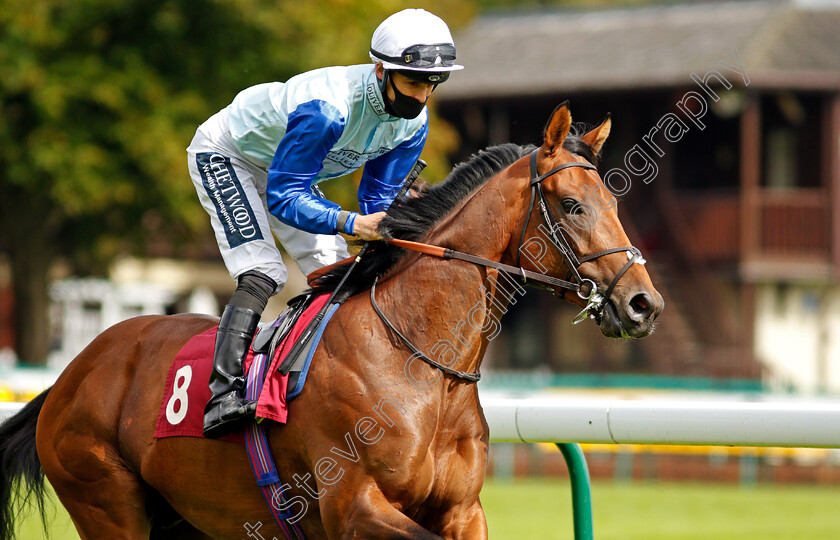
(585, 288)
(595, 300)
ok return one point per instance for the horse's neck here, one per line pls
(451, 308)
(484, 223)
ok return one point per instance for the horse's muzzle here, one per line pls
(632, 315)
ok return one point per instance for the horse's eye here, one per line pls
(571, 206)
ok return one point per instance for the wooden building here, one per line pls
(725, 151)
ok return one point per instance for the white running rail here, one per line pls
(715, 423)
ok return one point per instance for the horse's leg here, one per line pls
(465, 522)
(370, 515)
(103, 498)
(79, 443)
(179, 531)
(167, 524)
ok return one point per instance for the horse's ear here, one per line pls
(557, 128)
(595, 139)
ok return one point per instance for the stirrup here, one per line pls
(227, 415)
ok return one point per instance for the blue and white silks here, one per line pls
(321, 125)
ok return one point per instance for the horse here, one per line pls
(388, 438)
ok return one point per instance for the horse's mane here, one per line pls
(415, 216)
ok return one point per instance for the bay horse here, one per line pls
(379, 444)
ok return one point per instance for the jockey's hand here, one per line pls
(367, 227)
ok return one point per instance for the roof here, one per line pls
(793, 43)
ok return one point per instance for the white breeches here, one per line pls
(231, 187)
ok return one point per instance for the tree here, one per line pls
(99, 99)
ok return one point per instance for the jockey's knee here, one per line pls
(253, 290)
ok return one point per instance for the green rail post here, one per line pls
(581, 490)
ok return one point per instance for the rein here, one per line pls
(471, 377)
(451, 254)
(596, 301)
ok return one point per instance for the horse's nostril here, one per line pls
(641, 306)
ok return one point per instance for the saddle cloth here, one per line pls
(186, 392)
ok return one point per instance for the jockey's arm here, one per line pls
(382, 177)
(376, 195)
(311, 131)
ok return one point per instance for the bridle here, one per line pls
(595, 300)
(585, 288)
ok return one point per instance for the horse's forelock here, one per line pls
(574, 143)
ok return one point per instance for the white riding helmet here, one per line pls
(415, 40)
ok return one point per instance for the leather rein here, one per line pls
(585, 288)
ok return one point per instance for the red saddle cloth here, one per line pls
(187, 392)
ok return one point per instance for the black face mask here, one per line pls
(403, 106)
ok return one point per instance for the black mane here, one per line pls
(416, 216)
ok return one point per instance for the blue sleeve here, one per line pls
(311, 131)
(383, 176)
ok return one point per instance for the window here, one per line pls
(791, 151)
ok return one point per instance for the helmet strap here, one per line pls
(383, 88)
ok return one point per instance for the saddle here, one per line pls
(186, 391)
(271, 337)
(268, 339)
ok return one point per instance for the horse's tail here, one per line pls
(21, 476)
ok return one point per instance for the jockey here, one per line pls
(256, 165)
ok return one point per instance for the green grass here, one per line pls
(541, 509)
(59, 524)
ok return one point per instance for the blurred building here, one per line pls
(726, 127)
(83, 308)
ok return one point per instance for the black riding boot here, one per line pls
(227, 406)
